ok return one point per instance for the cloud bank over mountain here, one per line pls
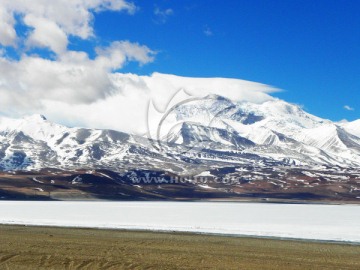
(40, 74)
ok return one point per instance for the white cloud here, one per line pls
(123, 103)
(65, 18)
(208, 32)
(348, 108)
(119, 51)
(114, 5)
(162, 15)
(46, 34)
(7, 31)
(72, 78)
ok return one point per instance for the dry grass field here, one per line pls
(64, 248)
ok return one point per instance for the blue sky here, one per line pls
(310, 49)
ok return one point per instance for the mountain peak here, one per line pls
(35, 117)
(217, 97)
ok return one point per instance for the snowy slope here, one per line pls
(40, 143)
(198, 131)
(273, 128)
(352, 127)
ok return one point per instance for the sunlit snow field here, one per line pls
(303, 221)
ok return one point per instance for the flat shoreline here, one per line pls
(277, 238)
(37, 247)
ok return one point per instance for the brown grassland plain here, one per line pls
(24, 247)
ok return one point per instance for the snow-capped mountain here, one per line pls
(274, 129)
(195, 135)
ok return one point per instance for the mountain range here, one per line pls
(199, 131)
(213, 137)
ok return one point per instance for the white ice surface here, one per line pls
(304, 221)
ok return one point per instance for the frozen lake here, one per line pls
(304, 221)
